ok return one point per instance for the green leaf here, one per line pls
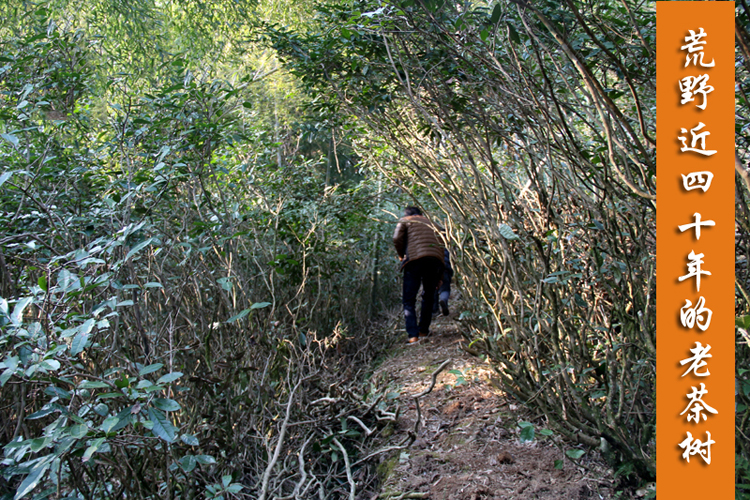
(527, 434)
(46, 410)
(188, 463)
(125, 417)
(513, 34)
(78, 431)
(82, 335)
(123, 382)
(17, 315)
(11, 139)
(102, 409)
(50, 365)
(5, 177)
(6, 375)
(742, 322)
(38, 444)
(546, 432)
(93, 384)
(558, 464)
(109, 423)
(144, 384)
(496, 14)
(140, 246)
(169, 377)
(226, 480)
(109, 395)
(234, 488)
(87, 326)
(149, 369)
(161, 426)
(189, 439)
(205, 459)
(32, 480)
(507, 232)
(167, 404)
(484, 35)
(239, 316)
(260, 305)
(226, 283)
(78, 344)
(95, 445)
(42, 281)
(575, 453)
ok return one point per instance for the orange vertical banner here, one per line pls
(695, 250)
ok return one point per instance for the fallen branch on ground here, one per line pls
(426, 392)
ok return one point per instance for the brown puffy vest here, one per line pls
(416, 237)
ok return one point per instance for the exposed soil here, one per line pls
(469, 445)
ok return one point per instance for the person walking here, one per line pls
(443, 293)
(421, 253)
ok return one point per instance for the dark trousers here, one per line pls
(425, 272)
(444, 292)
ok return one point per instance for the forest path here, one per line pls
(469, 444)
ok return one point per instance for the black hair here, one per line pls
(412, 211)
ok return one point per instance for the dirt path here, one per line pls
(469, 444)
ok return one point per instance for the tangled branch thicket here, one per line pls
(544, 165)
(181, 315)
(185, 298)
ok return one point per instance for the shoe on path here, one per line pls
(444, 307)
(412, 340)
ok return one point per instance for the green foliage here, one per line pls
(528, 433)
(160, 266)
(137, 40)
(575, 454)
(742, 244)
(460, 379)
(531, 128)
(742, 471)
(217, 491)
(84, 412)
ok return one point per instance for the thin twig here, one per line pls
(352, 486)
(400, 496)
(279, 444)
(401, 446)
(426, 392)
(325, 400)
(367, 430)
(302, 472)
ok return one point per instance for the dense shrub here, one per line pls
(544, 166)
(171, 292)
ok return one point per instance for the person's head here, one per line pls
(412, 211)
